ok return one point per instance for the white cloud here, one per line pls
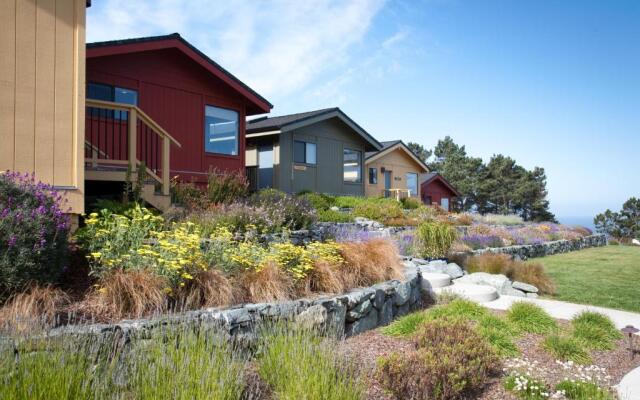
(277, 47)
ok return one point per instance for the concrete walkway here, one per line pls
(564, 310)
(629, 386)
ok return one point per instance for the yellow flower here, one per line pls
(97, 254)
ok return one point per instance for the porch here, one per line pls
(122, 141)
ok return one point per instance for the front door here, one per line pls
(387, 183)
(265, 167)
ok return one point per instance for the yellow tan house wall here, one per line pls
(399, 163)
(42, 80)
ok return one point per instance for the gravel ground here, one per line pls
(365, 349)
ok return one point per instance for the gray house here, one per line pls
(320, 151)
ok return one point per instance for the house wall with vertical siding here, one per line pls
(399, 163)
(42, 75)
(331, 136)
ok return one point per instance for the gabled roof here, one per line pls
(434, 176)
(295, 121)
(258, 104)
(389, 146)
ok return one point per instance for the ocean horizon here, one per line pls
(586, 221)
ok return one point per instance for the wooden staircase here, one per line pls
(120, 138)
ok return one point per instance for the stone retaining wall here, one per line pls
(349, 314)
(524, 252)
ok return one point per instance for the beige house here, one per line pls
(42, 81)
(394, 171)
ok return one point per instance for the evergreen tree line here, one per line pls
(624, 224)
(500, 186)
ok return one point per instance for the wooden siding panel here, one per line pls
(7, 83)
(45, 89)
(63, 149)
(25, 86)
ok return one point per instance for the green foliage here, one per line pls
(33, 233)
(333, 216)
(378, 209)
(451, 361)
(410, 203)
(406, 325)
(319, 201)
(294, 212)
(579, 390)
(223, 187)
(624, 224)
(201, 366)
(500, 186)
(349, 201)
(566, 348)
(595, 330)
(434, 239)
(500, 334)
(420, 151)
(528, 317)
(297, 364)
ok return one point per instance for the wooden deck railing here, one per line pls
(121, 135)
(397, 194)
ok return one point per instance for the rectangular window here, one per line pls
(412, 183)
(352, 162)
(100, 91)
(221, 131)
(373, 176)
(304, 152)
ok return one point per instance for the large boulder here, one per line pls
(500, 282)
(525, 287)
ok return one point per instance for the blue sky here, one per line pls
(554, 84)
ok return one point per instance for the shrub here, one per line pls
(498, 219)
(434, 239)
(424, 214)
(463, 219)
(451, 362)
(566, 348)
(295, 212)
(410, 203)
(225, 187)
(596, 330)
(378, 210)
(137, 241)
(370, 262)
(319, 201)
(238, 218)
(297, 364)
(579, 390)
(333, 216)
(528, 317)
(33, 233)
(477, 242)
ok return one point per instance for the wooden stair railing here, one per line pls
(108, 122)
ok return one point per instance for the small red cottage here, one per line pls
(161, 101)
(436, 190)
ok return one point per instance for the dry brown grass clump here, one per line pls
(370, 262)
(127, 294)
(36, 308)
(207, 289)
(531, 273)
(324, 278)
(271, 283)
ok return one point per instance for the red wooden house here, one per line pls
(436, 190)
(161, 101)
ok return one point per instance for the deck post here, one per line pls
(133, 138)
(166, 146)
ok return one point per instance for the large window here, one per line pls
(221, 131)
(373, 176)
(304, 152)
(101, 91)
(352, 170)
(412, 183)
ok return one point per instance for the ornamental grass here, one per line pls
(370, 262)
(37, 308)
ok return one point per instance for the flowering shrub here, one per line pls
(138, 241)
(33, 232)
(294, 212)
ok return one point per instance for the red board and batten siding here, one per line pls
(437, 190)
(174, 89)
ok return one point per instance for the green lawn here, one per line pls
(604, 276)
